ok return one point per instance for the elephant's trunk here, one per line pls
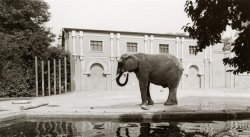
(118, 80)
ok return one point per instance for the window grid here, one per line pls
(96, 45)
(164, 48)
(192, 50)
(131, 47)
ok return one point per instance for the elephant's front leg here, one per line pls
(143, 89)
(172, 99)
(150, 101)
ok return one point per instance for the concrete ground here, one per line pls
(196, 104)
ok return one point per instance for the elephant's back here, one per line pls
(166, 59)
(160, 61)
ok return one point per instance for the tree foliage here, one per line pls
(22, 15)
(23, 36)
(210, 19)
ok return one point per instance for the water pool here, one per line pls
(60, 128)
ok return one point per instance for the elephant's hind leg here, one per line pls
(172, 99)
(150, 101)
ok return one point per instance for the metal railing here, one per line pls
(53, 77)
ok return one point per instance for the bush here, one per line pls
(13, 81)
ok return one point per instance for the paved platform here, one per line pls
(195, 104)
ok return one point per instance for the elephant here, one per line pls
(160, 69)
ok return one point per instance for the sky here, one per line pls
(156, 16)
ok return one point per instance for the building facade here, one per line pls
(94, 55)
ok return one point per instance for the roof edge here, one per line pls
(127, 32)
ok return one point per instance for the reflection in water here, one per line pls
(113, 129)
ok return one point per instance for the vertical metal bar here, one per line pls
(36, 71)
(49, 92)
(54, 63)
(65, 74)
(42, 63)
(59, 78)
(67, 129)
(37, 128)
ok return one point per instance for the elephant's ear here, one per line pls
(123, 57)
(132, 62)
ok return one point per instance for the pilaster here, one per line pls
(74, 42)
(181, 58)
(66, 42)
(177, 47)
(118, 44)
(210, 67)
(183, 75)
(151, 44)
(210, 74)
(72, 72)
(112, 74)
(81, 43)
(231, 73)
(78, 76)
(111, 44)
(206, 73)
(202, 78)
(82, 70)
(145, 43)
(108, 73)
(182, 46)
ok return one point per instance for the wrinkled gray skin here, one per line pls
(160, 69)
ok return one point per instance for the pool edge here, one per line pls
(131, 117)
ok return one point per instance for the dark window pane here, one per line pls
(96, 45)
(163, 48)
(99, 48)
(131, 47)
(192, 50)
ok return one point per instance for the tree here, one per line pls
(210, 19)
(23, 36)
